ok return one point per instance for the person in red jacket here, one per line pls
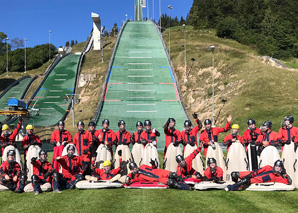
(172, 135)
(72, 169)
(95, 140)
(150, 174)
(189, 135)
(106, 135)
(234, 137)
(213, 172)
(107, 173)
(288, 133)
(7, 138)
(60, 138)
(268, 137)
(185, 169)
(149, 135)
(276, 174)
(123, 136)
(43, 172)
(136, 136)
(251, 134)
(11, 174)
(210, 134)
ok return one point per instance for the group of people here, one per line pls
(65, 171)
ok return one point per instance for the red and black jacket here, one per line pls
(71, 166)
(228, 140)
(249, 136)
(149, 136)
(123, 138)
(188, 170)
(60, 136)
(136, 136)
(217, 175)
(11, 169)
(271, 137)
(10, 139)
(27, 140)
(41, 168)
(82, 141)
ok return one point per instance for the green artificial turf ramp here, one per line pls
(141, 85)
(52, 94)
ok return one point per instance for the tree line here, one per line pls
(270, 25)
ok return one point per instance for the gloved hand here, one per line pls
(287, 142)
(176, 143)
(120, 152)
(85, 152)
(152, 162)
(199, 176)
(293, 138)
(46, 175)
(64, 143)
(33, 160)
(192, 143)
(33, 143)
(195, 115)
(246, 179)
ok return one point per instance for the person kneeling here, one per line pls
(11, 174)
(277, 174)
(43, 173)
(72, 171)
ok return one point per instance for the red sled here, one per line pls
(192, 181)
(146, 185)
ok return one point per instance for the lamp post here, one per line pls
(25, 66)
(148, 10)
(160, 15)
(126, 17)
(185, 77)
(109, 33)
(7, 56)
(152, 9)
(212, 49)
(50, 31)
(170, 7)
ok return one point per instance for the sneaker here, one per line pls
(57, 191)
(227, 189)
(36, 192)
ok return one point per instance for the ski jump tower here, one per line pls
(96, 31)
(139, 4)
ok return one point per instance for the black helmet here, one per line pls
(280, 164)
(81, 123)
(132, 165)
(91, 123)
(207, 121)
(147, 123)
(61, 123)
(11, 153)
(121, 122)
(105, 121)
(187, 123)
(71, 147)
(42, 152)
(289, 118)
(210, 161)
(172, 120)
(139, 123)
(179, 158)
(268, 124)
(251, 122)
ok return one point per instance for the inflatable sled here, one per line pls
(18, 158)
(192, 181)
(268, 156)
(270, 187)
(146, 185)
(219, 157)
(126, 158)
(33, 151)
(45, 187)
(101, 184)
(252, 156)
(197, 163)
(150, 153)
(103, 154)
(295, 174)
(137, 153)
(288, 158)
(236, 160)
(206, 185)
(170, 163)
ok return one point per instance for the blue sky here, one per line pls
(71, 19)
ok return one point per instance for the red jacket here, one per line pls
(107, 136)
(82, 141)
(171, 136)
(149, 174)
(228, 141)
(123, 138)
(249, 135)
(218, 174)
(149, 136)
(184, 172)
(136, 136)
(11, 139)
(94, 136)
(107, 176)
(27, 140)
(191, 136)
(212, 135)
(14, 171)
(40, 169)
(62, 136)
(266, 174)
(70, 166)
(288, 134)
(271, 137)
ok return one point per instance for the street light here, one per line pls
(126, 17)
(212, 49)
(7, 56)
(109, 33)
(148, 10)
(25, 56)
(50, 31)
(170, 7)
(152, 9)
(160, 15)
(185, 77)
